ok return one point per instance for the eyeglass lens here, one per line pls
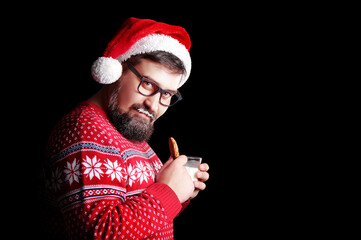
(149, 88)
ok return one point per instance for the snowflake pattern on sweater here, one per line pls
(103, 185)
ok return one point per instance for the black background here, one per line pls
(240, 112)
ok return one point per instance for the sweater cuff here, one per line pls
(167, 197)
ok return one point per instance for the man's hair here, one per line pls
(167, 59)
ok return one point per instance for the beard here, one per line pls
(133, 128)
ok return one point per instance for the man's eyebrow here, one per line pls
(147, 77)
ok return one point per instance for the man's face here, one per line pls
(132, 113)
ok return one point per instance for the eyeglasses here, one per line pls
(149, 88)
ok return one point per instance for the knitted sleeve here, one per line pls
(105, 210)
(90, 182)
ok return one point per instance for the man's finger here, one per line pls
(199, 185)
(202, 176)
(181, 160)
(204, 167)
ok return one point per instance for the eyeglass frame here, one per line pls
(161, 90)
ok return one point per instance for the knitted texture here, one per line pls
(102, 185)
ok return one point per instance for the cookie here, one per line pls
(173, 148)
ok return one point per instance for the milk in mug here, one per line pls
(192, 166)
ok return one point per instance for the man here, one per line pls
(104, 180)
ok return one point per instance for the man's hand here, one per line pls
(202, 176)
(175, 175)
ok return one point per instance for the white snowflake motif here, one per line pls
(115, 170)
(144, 172)
(157, 166)
(92, 167)
(72, 171)
(152, 170)
(132, 173)
(56, 180)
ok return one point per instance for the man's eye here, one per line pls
(167, 95)
(148, 85)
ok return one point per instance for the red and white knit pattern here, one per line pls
(104, 185)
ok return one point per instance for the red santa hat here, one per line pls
(137, 36)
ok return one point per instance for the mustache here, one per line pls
(144, 109)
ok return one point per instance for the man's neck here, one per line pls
(99, 98)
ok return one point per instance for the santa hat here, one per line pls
(137, 36)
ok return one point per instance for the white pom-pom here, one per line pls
(106, 70)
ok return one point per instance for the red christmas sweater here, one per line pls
(101, 185)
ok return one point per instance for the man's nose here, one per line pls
(152, 102)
